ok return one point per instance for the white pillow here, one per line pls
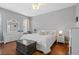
(47, 32)
(50, 33)
(43, 32)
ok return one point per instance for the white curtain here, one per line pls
(25, 25)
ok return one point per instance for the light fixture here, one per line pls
(60, 32)
(36, 6)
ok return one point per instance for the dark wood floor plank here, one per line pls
(56, 49)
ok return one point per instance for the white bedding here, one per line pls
(44, 42)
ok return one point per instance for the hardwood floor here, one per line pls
(56, 49)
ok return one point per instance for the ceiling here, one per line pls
(26, 8)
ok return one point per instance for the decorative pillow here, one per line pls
(47, 32)
(43, 32)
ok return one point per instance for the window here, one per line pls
(12, 25)
(25, 25)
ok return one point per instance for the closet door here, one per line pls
(75, 41)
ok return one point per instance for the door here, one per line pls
(75, 41)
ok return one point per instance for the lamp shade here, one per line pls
(60, 32)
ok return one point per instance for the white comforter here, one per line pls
(44, 42)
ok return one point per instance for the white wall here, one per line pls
(77, 14)
(1, 34)
(59, 20)
(77, 10)
(8, 15)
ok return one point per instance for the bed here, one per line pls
(44, 42)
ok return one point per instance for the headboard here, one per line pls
(48, 32)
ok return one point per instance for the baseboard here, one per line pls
(60, 42)
(9, 42)
(1, 41)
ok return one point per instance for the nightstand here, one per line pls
(61, 39)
